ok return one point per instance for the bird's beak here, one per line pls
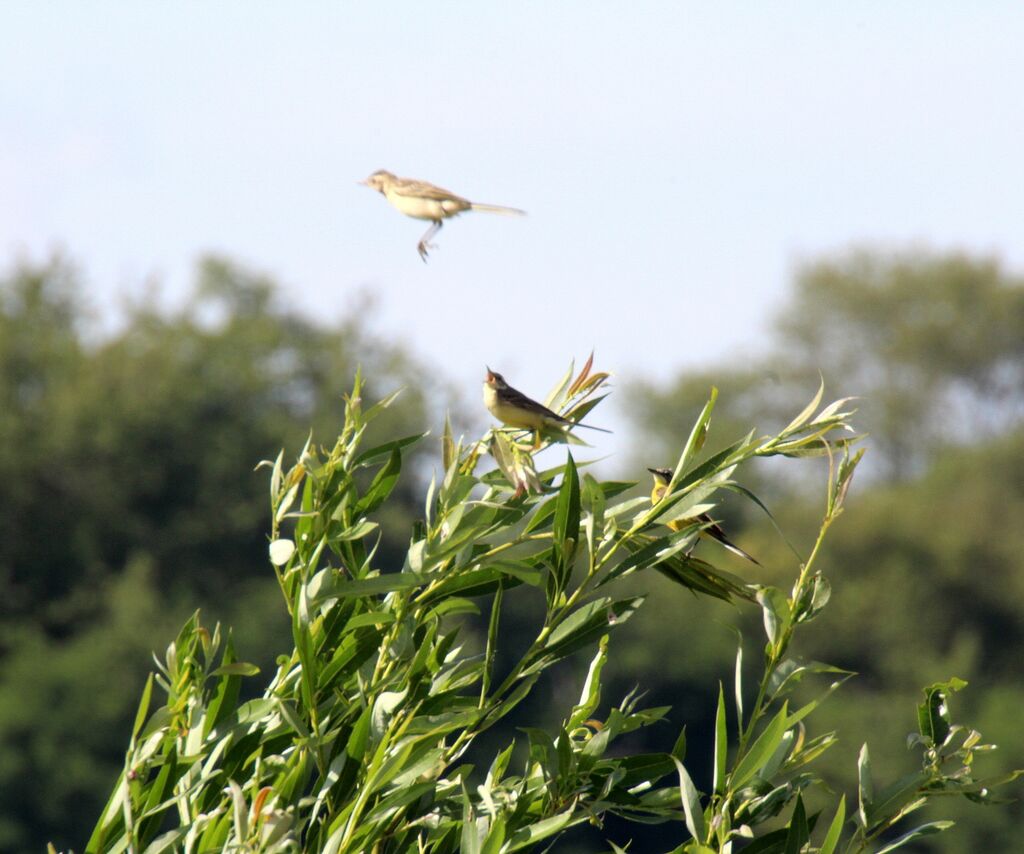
(364, 183)
(653, 471)
(490, 376)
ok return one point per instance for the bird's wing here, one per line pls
(425, 190)
(518, 399)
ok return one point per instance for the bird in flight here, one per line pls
(422, 200)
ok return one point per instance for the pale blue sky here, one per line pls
(676, 159)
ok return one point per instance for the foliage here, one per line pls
(359, 742)
(931, 341)
(928, 568)
(129, 496)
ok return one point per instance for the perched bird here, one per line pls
(662, 478)
(421, 200)
(514, 409)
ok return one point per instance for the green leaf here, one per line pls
(679, 748)
(534, 833)
(691, 803)
(582, 410)
(492, 644)
(933, 714)
(378, 453)
(553, 399)
(929, 829)
(567, 514)
(653, 552)
(369, 618)
(828, 845)
(447, 445)
(843, 479)
(721, 742)
(501, 450)
(452, 605)
(775, 611)
(590, 696)
(594, 500)
(381, 486)
(166, 841)
(481, 582)
(236, 668)
(808, 410)
(340, 588)
(240, 810)
(384, 707)
(589, 622)
(810, 706)
(358, 739)
(495, 837)
(701, 577)
(356, 531)
(143, 710)
(695, 442)
(815, 599)
(898, 798)
(380, 405)
(798, 832)
(788, 674)
(725, 459)
(472, 834)
(760, 751)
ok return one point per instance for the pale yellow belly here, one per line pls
(420, 208)
(511, 416)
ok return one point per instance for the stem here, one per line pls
(778, 649)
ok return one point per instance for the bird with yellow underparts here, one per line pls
(514, 409)
(711, 529)
(423, 200)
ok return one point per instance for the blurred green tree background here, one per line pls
(129, 498)
(928, 563)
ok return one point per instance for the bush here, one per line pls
(360, 741)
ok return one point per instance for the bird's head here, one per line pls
(495, 380)
(663, 477)
(378, 180)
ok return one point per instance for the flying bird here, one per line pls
(422, 200)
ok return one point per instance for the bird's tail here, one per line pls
(716, 533)
(498, 209)
(588, 427)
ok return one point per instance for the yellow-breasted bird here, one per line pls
(422, 200)
(662, 478)
(514, 409)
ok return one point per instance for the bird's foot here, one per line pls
(422, 248)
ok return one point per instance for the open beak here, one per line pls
(490, 376)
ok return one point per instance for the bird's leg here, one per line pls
(424, 244)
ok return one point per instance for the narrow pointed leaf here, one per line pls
(760, 751)
(691, 803)
(721, 742)
(924, 830)
(828, 845)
